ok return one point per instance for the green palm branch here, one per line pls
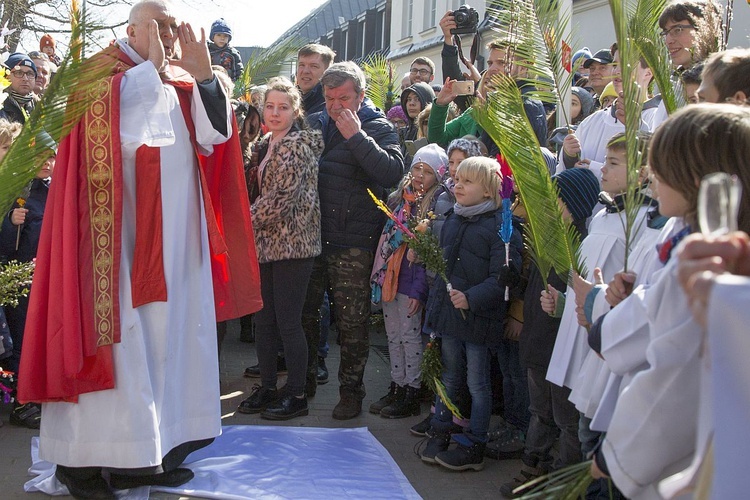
(264, 64)
(623, 13)
(537, 29)
(568, 483)
(551, 242)
(63, 105)
(380, 80)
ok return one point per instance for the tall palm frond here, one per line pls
(380, 80)
(537, 29)
(643, 28)
(264, 64)
(63, 105)
(623, 12)
(551, 242)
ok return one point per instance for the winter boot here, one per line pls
(407, 406)
(437, 442)
(395, 393)
(467, 455)
(349, 405)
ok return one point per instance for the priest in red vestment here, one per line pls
(146, 245)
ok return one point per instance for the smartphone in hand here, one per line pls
(465, 87)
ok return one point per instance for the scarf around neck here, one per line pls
(485, 206)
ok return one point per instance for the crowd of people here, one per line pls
(206, 208)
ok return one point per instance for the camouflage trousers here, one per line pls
(346, 271)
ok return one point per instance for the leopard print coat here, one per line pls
(286, 214)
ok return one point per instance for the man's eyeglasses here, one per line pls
(675, 30)
(422, 72)
(23, 75)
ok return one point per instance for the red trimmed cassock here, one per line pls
(146, 243)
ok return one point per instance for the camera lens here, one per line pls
(460, 17)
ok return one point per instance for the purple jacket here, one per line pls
(412, 280)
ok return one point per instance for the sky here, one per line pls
(253, 22)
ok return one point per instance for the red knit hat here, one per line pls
(46, 41)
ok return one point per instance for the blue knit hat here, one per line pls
(579, 190)
(220, 26)
(17, 59)
(584, 52)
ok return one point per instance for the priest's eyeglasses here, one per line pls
(23, 75)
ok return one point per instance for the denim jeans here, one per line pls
(466, 363)
(515, 386)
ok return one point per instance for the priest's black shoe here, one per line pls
(285, 408)
(93, 486)
(171, 479)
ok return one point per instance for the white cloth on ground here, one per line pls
(286, 462)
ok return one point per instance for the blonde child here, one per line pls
(402, 285)
(469, 318)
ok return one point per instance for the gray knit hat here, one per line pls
(434, 156)
(470, 148)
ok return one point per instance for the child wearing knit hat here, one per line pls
(551, 412)
(397, 117)
(221, 52)
(47, 45)
(402, 286)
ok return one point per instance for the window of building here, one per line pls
(430, 12)
(360, 39)
(380, 29)
(406, 19)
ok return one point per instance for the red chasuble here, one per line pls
(73, 316)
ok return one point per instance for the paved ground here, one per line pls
(431, 482)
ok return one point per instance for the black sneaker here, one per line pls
(508, 445)
(422, 427)
(259, 399)
(322, 375)
(28, 415)
(467, 455)
(285, 408)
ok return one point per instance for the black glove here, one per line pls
(508, 276)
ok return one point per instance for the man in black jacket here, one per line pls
(312, 61)
(361, 152)
(19, 103)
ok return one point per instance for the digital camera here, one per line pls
(467, 20)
